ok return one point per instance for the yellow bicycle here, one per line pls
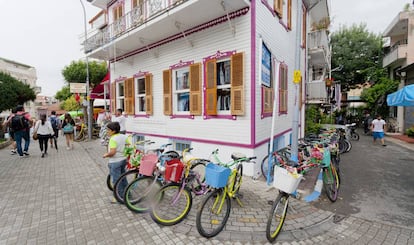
(215, 209)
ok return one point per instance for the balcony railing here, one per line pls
(141, 14)
(397, 52)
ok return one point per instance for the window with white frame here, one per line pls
(181, 90)
(140, 95)
(223, 85)
(120, 95)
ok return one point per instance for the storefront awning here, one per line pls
(98, 92)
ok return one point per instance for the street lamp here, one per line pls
(88, 108)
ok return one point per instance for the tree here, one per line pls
(13, 92)
(76, 72)
(63, 94)
(360, 54)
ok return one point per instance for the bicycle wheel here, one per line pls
(199, 166)
(140, 193)
(335, 161)
(124, 180)
(349, 145)
(213, 213)
(354, 136)
(277, 216)
(265, 166)
(172, 206)
(109, 183)
(330, 183)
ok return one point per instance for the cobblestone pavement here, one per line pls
(63, 199)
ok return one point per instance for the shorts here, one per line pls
(378, 135)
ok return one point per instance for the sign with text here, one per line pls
(78, 88)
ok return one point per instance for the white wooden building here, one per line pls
(203, 73)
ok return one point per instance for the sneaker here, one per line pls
(13, 152)
(43, 154)
(384, 145)
(67, 148)
(26, 153)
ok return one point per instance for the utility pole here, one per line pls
(88, 108)
(297, 80)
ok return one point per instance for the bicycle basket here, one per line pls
(286, 181)
(148, 163)
(173, 170)
(216, 175)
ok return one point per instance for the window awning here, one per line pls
(98, 92)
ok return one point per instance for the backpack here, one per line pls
(19, 122)
(55, 123)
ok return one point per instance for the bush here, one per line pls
(410, 132)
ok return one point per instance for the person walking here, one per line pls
(56, 125)
(68, 127)
(20, 123)
(119, 117)
(7, 125)
(44, 131)
(377, 128)
(115, 154)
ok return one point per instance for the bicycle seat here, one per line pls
(236, 156)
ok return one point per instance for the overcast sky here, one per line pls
(45, 34)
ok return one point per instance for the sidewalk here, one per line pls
(63, 199)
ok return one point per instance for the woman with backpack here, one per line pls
(44, 131)
(68, 127)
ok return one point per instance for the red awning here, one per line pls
(98, 91)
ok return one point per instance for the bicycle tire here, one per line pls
(355, 136)
(342, 146)
(237, 181)
(129, 176)
(335, 160)
(277, 216)
(199, 166)
(211, 218)
(109, 183)
(349, 145)
(265, 166)
(172, 206)
(330, 183)
(139, 194)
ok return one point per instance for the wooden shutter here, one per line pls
(268, 95)
(289, 14)
(211, 87)
(148, 94)
(129, 96)
(283, 89)
(195, 89)
(237, 84)
(166, 76)
(113, 97)
(278, 6)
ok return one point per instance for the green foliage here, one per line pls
(360, 54)
(13, 92)
(63, 94)
(312, 116)
(410, 132)
(70, 104)
(375, 97)
(76, 72)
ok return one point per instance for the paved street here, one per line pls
(63, 199)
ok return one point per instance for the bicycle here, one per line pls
(174, 200)
(280, 205)
(134, 160)
(215, 209)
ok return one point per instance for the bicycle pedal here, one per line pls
(238, 196)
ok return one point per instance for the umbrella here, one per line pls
(72, 114)
(403, 97)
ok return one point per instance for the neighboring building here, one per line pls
(24, 73)
(399, 61)
(204, 73)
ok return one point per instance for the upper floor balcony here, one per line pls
(397, 53)
(158, 21)
(318, 48)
